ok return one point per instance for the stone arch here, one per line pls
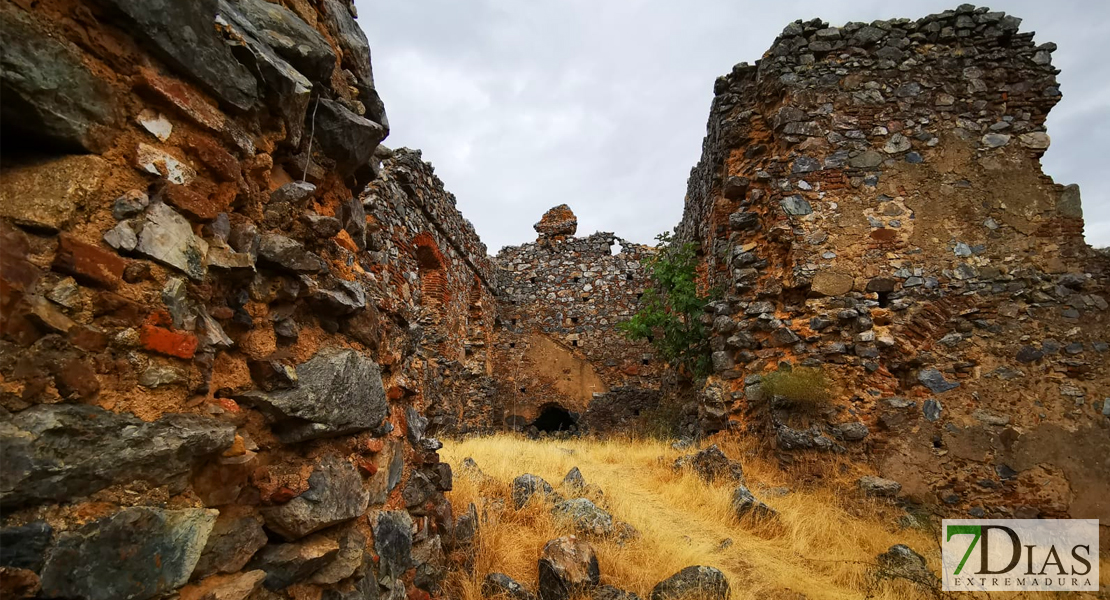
(553, 417)
(433, 276)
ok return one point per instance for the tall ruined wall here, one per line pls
(563, 298)
(207, 365)
(434, 265)
(872, 198)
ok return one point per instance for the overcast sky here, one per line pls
(523, 105)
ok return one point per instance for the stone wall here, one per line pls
(872, 198)
(563, 297)
(436, 267)
(214, 353)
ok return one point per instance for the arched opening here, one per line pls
(554, 418)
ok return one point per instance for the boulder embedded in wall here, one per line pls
(168, 238)
(238, 586)
(338, 392)
(46, 196)
(24, 547)
(832, 283)
(49, 94)
(335, 494)
(287, 90)
(356, 57)
(344, 137)
(558, 221)
(184, 34)
(293, 39)
(286, 564)
(235, 537)
(393, 542)
(161, 549)
(47, 451)
(279, 251)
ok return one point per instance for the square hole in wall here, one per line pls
(628, 276)
(645, 361)
(576, 279)
(512, 344)
(574, 343)
(532, 280)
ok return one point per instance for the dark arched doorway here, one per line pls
(554, 418)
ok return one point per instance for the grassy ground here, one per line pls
(823, 546)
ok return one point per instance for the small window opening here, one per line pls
(884, 299)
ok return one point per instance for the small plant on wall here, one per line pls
(671, 311)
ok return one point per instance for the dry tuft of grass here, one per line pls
(823, 545)
(802, 386)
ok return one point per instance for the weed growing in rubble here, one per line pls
(800, 387)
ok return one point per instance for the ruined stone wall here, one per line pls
(214, 357)
(563, 297)
(872, 198)
(433, 262)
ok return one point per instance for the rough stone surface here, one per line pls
(184, 35)
(393, 542)
(48, 195)
(568, 566)
(335, 494)
(286, 564)
(877, 486)
(47, 455)
(558, 221)
(585, 516)
(498, 583)
(744, 504)
(162, 547)
(528, 485)
(338, 392)
(711, 464)
(234, 539)
(168, 238)
(48, 93)
(693, 582)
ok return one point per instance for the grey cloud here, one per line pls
(602, 105)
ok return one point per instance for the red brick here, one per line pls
(88, 263)
(167, 341)
(190, 103)
(196, 206)
(222, 164)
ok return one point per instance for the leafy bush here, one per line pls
(671, 309)
(801, 386)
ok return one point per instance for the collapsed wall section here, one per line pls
(871, 197)
(563, 297)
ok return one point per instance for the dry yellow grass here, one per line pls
(823, 546)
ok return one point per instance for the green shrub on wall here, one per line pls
(670, 314)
